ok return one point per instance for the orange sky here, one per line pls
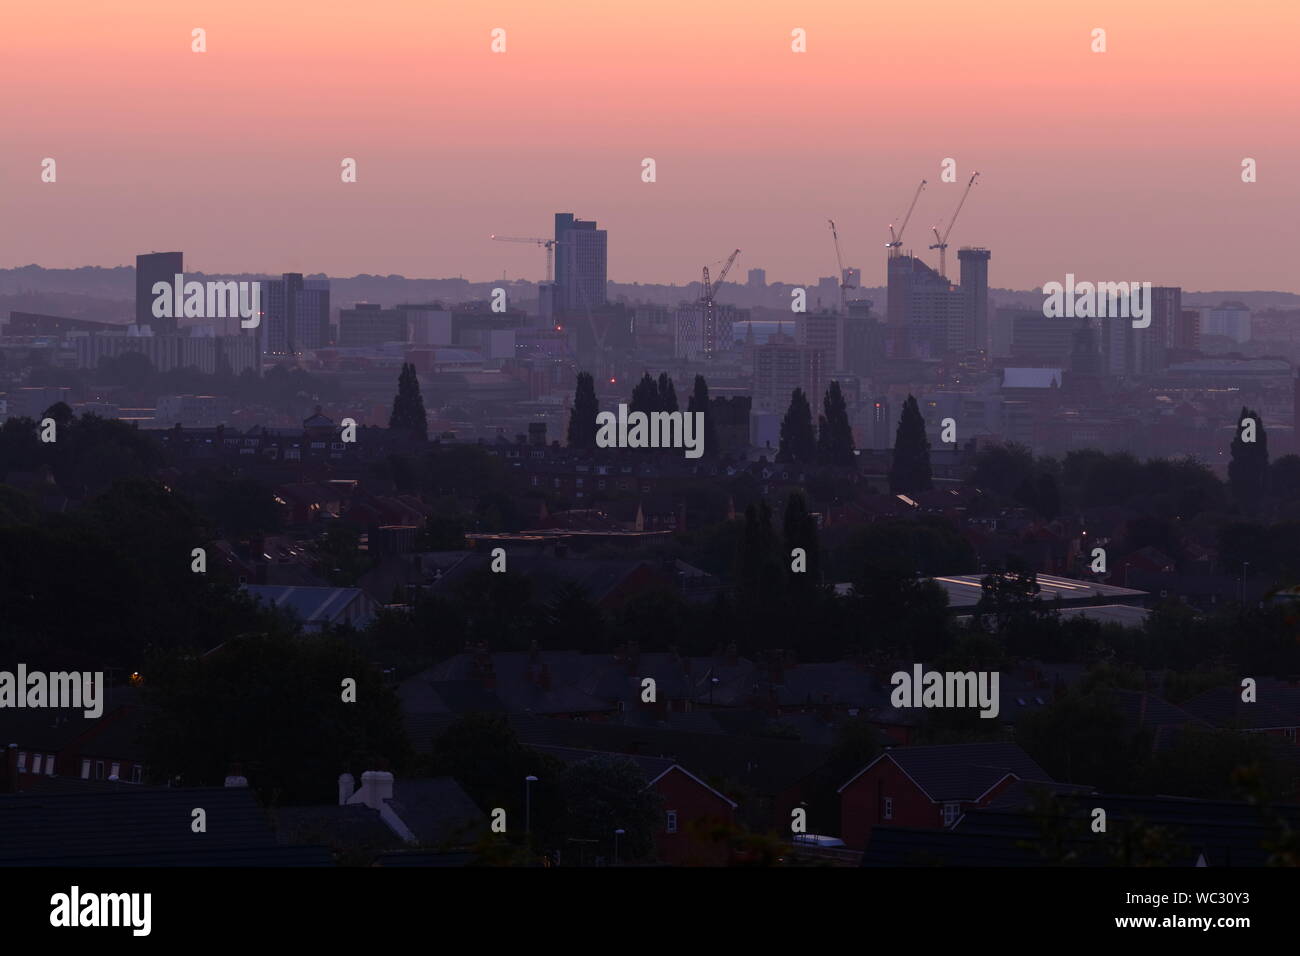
(1123, 165)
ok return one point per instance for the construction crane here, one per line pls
(845, 285)
(709, 291)
(942, 241)
(548, 243)
(895, 243)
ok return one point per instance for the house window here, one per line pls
(889, 808)
(137, 774)
(950, 813)
(85, 770)
(99, 770)
(115, 771)
(22, 761)
(672, 821)
(36, 763)
(49, 765)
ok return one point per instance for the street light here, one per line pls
(617, 834)
(528, 803)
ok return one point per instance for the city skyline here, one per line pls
(1122, 164)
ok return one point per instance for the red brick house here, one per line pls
(929, 786)
(691, 807)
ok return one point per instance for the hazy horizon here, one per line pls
(1116, 166)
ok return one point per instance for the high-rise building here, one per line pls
(926, 315)
(150, 268)
(863, 339)
(1230, 320)
(581, 264)
(757, 279)
(781, 366)
(367, 324)
(1155, 340)
(295, 314)
(975, 287)
(823, 330)
(1188, 335)
(700, 334)
(881, 431)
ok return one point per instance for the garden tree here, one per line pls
(272, 704)
(1085, 739)
(1150, 531)
(1096, 479)
(408, 405)
(466, 471)
(798, 443)
(606, 793)
(1284, 477)
(835, 434)
(929, 545)
(760, 574)
(442, 532)
(658, 620)
(341, 560)
(16, 508)
(645, 396)
(1201, 762)
(498, 609)
(1179, 488)
(582, 416)
(898, 615)
(483, 755)
(1048, 497)
(910, 470)
(92, 452)
(145, 535)
(1002, 469)
(412, 638)
(20, 445)
(61, 412)
(1248, 469)
(667, 394)
(570, 621)
(243, 506)
(699, 402)
(855, 744)
(1010, 607)
(800, 531)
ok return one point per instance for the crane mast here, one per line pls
(895, 243)
(942, 241)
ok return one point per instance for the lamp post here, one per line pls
(528, 803)
(617, 834)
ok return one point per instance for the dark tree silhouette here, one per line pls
(910, 471)
(835, 434)
(1248, 470)
(798, 443)
(408, 406)
(582, 416)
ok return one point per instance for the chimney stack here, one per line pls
(376, 787)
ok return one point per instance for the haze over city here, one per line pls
(1124, 164)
